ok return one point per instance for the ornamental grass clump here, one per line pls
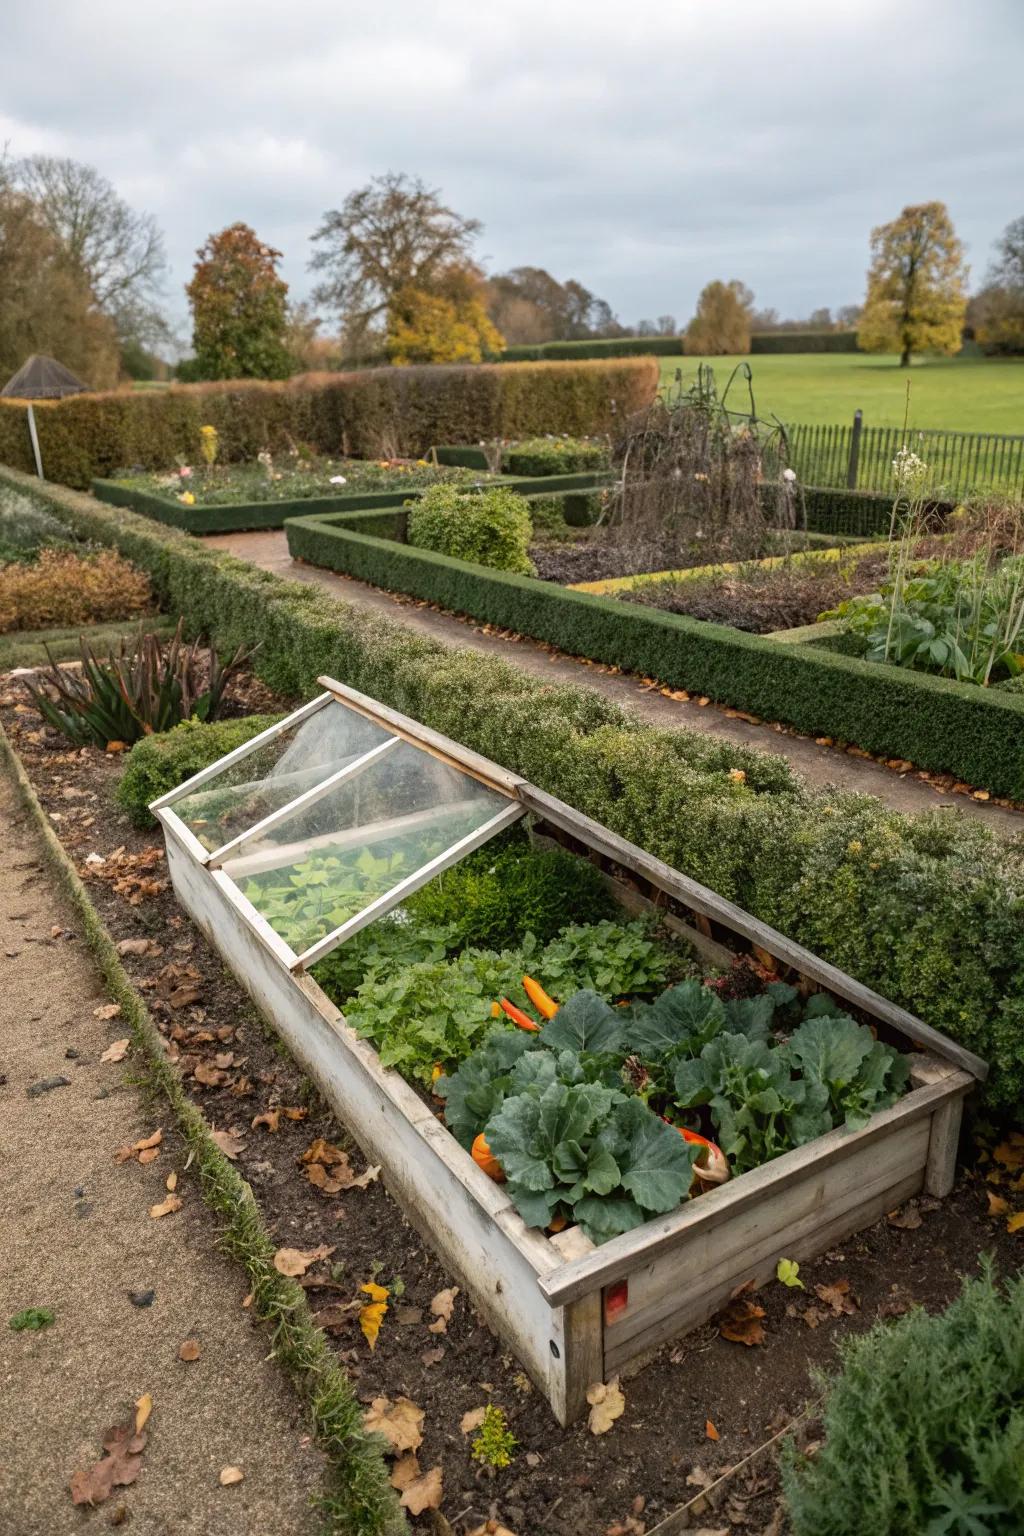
(924, 1426)
(488, 527)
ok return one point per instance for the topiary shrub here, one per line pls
(490, 527)
(158, 764)
(494, 899)
(924, 1427)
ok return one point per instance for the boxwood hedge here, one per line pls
(929, 910)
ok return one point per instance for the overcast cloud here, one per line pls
(643, 148)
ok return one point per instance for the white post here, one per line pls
(33, 434)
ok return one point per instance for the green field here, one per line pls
(958, 394)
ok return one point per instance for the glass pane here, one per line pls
(314, 871)
(284, 768)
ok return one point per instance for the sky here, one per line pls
(643, 148)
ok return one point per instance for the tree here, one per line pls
(667, 325)
(450, 325)
(997, 312)
(44, 305)
(393, 235)
(916, 299)
(239, 310)
(722, 322)
(117, 251)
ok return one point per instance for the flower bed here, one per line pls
(565, 1105)
(293, 478)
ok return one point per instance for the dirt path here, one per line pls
(818, 765)
(76, 1236)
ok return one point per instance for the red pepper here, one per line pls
(518, 1016)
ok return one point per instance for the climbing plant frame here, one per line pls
(302, 836)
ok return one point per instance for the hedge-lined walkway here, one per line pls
(819, 765)
(126, 1289)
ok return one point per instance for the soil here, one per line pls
(561, 1482)
(595, 557)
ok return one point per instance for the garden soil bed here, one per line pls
(702, 1404)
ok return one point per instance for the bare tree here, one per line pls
(393, 234)
(118, 251)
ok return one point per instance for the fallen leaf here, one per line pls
(490, 1528)
(108, 1011)
(188, 1349)
(997, 1206)
(710, 1431)
(230, 1143)
(295, 1261)
(472, 1420)
(139, 947)
(838, 1296)
(143, 1409)
(230, 1475)
(297, 1112)
(606, 1405)
(166, 1207)
(788, 1272)
(149, 1141)
(116, 1469)
(116, 1052)
(407, 1316)
(372, 1314)
(425, 1493)
(209, 1076)
(442, 1307)
(814, 1316)
(400, 1422)
(405, 1471)
(321, 1151)
(740, 1322)
(171, 1182)
(907, 1219)
(1015, 1222)
(433, 1356)
(149, 1155)
(1011, 1151)
(272, 1120)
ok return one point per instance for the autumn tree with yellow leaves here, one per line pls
(917, 297)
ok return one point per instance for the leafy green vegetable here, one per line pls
(584, 1023)
(478, 1088)
(858, 1073)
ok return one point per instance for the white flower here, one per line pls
(789, 474)
(907, 467)
(338, 480)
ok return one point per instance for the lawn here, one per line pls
(968, 394)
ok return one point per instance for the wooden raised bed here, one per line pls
(576, 1314)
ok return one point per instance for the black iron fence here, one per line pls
(861, 458)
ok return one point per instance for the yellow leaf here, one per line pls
(1015, 1222)
(997, 1206)
(143, 1409)
(370, 1318)
(788, 1272)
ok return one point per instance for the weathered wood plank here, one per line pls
(707, 903)
(617, 1259)
(635, 1352)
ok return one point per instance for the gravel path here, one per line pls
(819, 765)
(76, 1236)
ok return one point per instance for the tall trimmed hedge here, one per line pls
(393, 411)
(928, 910)
(804, 341)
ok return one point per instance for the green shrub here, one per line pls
(26, 527)
(369, 415)
(924, 1427)
(804, 341)
(493, 899)
(598, 346)
(63, 587)
(932, 917)
(556, 456)
(490, 527)
(157, 764)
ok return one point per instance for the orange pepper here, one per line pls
(545, 1005)
(518, 1016)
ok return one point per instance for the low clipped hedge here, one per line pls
(857, 513)
(976, 733)
(158, 764)
(928, 910)
(397, 411)
(246, 516)
(804, 341)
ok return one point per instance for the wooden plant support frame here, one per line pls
(576, 1314)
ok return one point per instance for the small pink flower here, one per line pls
(185, 472)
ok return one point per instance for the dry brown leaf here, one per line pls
(230, 1475)
(405, 1471)
(320, 1179)
(108, 1011)
(400, 1422)
(116, 1469)
(472, 1420)
(740, 1322)
(171, 1182)
(143, 1409)
(425, 1493)
(814, 1316)
(296, 1112)
(166, 1207)
(295, 1261)
(321, 1151)
(433, 1356)
(149, 1141)
(1015, 1222)
(188, 1349)
(139, 947)
(907, 1219)
(490, 1528)
(372, 1314)
(271, 1119)
(710, 1431)
(442, 1307)
(1011, 1151)
(149, 1155)
(606, 1405)
(997, 1206)
(116, 1052)
(838, 1296)
(209, 1076)
(230, 1143)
